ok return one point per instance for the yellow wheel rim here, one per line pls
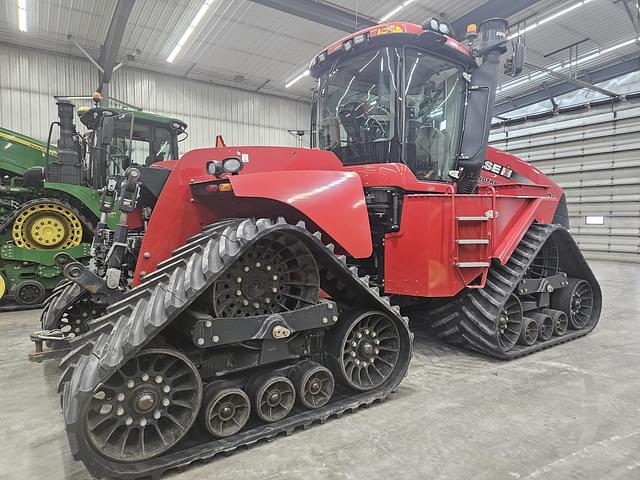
(47, 226)
(3, 286)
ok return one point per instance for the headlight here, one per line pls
(444, 28)
(232, 165)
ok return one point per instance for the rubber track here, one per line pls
(9, 221)
(131, 323)
(469, 319)
(57, 304)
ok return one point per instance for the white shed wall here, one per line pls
(594, 155)
(30, 78)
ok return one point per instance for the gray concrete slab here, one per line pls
(572, 412)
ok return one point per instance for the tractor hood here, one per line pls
(19, 153)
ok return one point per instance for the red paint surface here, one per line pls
(419, 259)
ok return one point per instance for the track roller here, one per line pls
(560, 321)
(273, 396)
(529, 333)
(576, 300)
(225, 409)
(314, 383)
(545, 325)
(29, 292)
(364, 349)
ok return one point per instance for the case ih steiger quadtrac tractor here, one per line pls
(48, 199)
(271, 283)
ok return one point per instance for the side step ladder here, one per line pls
(483, 261)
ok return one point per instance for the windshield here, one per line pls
(145, 145)
(357, 108)
(387, 105)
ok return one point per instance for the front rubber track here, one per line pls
(469, 319)
(146, 310)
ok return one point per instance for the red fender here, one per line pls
(333, 200)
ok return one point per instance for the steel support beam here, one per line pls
(322, 13)
(596, 76)
(577, 82)
(489, 9)
(111, 46)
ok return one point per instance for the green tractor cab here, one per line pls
(49, 200)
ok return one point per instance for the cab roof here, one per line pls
(90, 116)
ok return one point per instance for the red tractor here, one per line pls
(270, 284)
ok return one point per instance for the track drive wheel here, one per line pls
(29, 292)
(273, 396)
(529, 333)
(47, 225)
(3, 285)
(144, 408)
(277, 274)
(576, 300)
(510, 323)
(364, 349)
(314, 383)
(225, 409)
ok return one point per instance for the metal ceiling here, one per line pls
(246, 44)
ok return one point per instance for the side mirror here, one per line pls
(514, 65)
(107, 131)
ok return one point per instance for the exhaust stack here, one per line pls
(67, 168)
(490, 45)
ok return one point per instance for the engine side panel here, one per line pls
(420, 259)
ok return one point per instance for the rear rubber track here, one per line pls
(469, 320)
(133, 322)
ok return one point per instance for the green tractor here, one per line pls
(49, 199)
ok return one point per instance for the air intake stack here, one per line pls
(67, 168)
(489, 46)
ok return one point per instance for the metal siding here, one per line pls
(30, 78)
(594, 156)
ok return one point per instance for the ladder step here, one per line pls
(472, 219)
(473, 241)
(472, 264)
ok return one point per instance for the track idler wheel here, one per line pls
(29, 292)
(529, 333)
(545, 325)
(314, 383)
(364, 349)
(145, 408)
(510, 323)
(273, 396)
(225, 409)
(560, 321)
(576, 300)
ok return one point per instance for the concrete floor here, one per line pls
(572, 412)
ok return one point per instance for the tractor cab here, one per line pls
(409, 94)
(119, 138)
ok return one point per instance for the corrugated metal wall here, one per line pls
(594, 156)
(30, 78)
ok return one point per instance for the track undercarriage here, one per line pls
(544, 295)
(162, 380)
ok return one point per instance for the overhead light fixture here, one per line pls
(395, 10)
(192, 26)
(560, 66)
(22, 15)
(553, 16)
(302, 75)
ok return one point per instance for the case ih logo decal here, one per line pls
(497, 168)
